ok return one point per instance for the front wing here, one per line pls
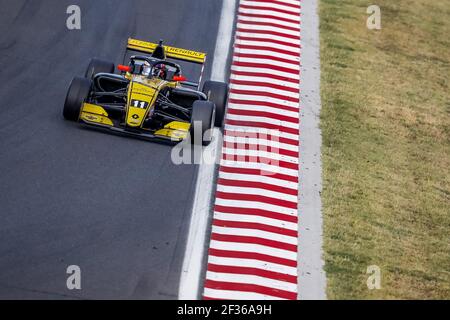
(95, 116)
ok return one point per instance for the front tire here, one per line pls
(99, 66)
(217, 92)
(202, 120)
(77, 94)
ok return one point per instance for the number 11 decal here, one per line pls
(139, 104)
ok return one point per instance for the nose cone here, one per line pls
(140, 101)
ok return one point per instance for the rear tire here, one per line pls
(217, 92)
(99, 66)
(77, 94)
(202, 120)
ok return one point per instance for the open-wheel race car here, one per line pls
(149, 97)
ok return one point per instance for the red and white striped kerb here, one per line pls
(254, 239)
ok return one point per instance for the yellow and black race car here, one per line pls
(150, 98)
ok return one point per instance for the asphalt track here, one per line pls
(117, 207)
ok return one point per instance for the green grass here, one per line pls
(386, 148)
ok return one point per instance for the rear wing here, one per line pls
(171, 52)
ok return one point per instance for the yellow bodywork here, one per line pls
(175, 130)
(93, 113)
(140, 100)
(171, 52)
(142, 93)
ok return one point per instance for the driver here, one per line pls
(160, 71)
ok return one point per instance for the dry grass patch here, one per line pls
(386, 148)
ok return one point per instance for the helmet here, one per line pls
(159, 70)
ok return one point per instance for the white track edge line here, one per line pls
(195, 246)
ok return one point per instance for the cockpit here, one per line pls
(152, 67)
